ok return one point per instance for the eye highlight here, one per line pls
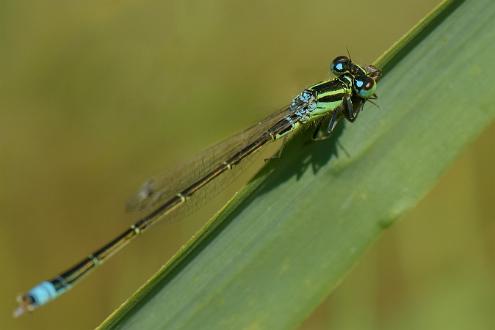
(340, 65)
(364, 86)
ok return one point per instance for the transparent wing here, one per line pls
(162, 187)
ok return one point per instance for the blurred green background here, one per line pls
(97, 96)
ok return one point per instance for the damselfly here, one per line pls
(323, 103)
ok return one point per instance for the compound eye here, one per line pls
(364, 86)
(340, 65)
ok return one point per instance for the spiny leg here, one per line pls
(323, 129)
(351, 107)
(333, 122)
(350, 111)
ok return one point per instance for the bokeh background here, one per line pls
(97, 96)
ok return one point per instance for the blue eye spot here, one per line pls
(364, 86)
(340, 65)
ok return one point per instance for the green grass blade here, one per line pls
(281, 246)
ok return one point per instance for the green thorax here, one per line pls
(330, 95)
